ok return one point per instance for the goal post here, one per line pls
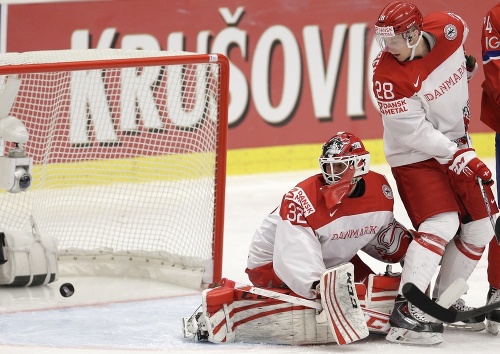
(129, 160)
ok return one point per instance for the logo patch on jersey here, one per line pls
(416, 82)
(393, 107)
(387, 191)
(300, 197)
(450, 32)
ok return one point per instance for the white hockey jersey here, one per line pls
(303, 237)
(425, 102)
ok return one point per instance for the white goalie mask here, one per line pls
(343, 151)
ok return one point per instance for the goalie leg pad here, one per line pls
(381, 292)
(234, 315)
(29, 260)
(341, 304)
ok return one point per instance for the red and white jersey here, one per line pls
(303, 237)
(490, 44)
(425, 102)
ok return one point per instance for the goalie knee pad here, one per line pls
(27, 259)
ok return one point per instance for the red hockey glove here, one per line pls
(465, 163)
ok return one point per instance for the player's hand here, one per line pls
(466, 164)
(471, 65)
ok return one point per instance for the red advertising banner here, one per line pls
(300, 70)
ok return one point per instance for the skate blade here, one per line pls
(188, 328)
(405, 336)
(470, 327)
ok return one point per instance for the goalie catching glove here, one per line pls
(467, 165)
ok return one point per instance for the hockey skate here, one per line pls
(493, 317)
(474, 324)
(409, 325)
(195, 326)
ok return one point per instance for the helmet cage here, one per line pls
(333, 168)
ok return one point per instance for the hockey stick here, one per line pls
(271, 294)
(426, 304)
(494, 223)
(452, 293)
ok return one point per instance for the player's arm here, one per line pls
(406, 121)
(297, 258)
(390, 243)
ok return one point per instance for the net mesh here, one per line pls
(124, 158)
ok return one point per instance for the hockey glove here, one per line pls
(471, 65)
(466, 164)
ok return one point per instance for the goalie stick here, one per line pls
(271, 294)
(429, 306)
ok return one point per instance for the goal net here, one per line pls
(129, 160)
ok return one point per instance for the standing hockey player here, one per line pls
(420, 82)
(490, 115)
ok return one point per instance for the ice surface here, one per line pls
(137, 316)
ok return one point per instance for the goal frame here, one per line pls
(221, 146)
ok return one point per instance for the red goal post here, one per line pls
(129, 159)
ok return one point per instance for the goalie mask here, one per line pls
(396, 25)
(342, 152)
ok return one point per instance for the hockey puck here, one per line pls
(67, 289)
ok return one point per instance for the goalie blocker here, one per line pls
(27, 259)
(242, 313)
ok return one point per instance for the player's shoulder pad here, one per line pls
(494, 15)
(305, 194)
(378, 181)
(376, 177)
(446, 27)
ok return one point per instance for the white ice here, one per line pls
(110, 315)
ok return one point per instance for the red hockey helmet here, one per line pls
(341, 151)
(397, 18)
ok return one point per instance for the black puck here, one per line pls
(67, 289)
